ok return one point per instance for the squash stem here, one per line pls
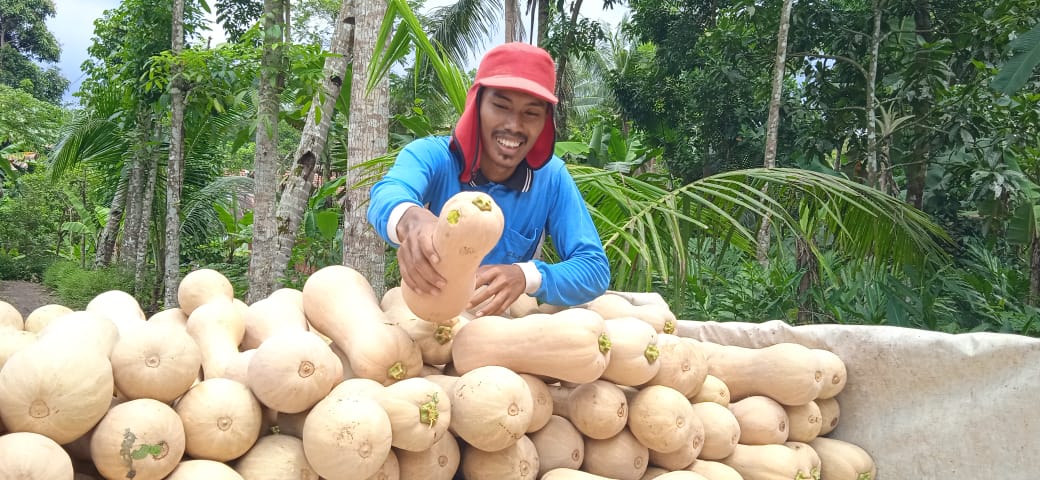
(669, 327)
(651, 353)
(397, 371)
(604, 343)
(428, 412)
(442, 334)
(453, 217)
(483, 203)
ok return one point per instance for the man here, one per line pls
(503, 146)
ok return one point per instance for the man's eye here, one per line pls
(500, 106)
(532, 113)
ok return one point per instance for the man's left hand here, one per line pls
(503, 285)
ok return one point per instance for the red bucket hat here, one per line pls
(511, 66)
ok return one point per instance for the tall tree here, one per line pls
(773, 119)
(367, 138)
(175, 165)
(300, 181)
(265, 167)
(25, 40)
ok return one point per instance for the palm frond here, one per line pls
(201, 220)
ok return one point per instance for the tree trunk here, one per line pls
(806, 261)
(174, 167)
(107, 241)
(917, 166)
(512, 21)
(561, 67)
(145, 226)
(1034, 270)
(363, 250)
(265, 169)
(543, 21)
(773, 119)
(300, 183)
(135, 189)
(873, 178)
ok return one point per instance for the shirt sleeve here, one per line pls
(583, 272)
(406, 183)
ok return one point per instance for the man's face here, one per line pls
(510, 123)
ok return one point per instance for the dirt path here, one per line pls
(25, 296)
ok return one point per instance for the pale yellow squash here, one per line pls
(199, 469)
(841, 460)
(714, 470)
(762, 420)
(559, 445)
(346, 437)
(390, 470)
(434, 340)
(221, 419)
(57, 392)
(419, 411)
(340, 303)
(147, 431)
(268, 317)
(804, 422)
(275, 457)
(570, 474)
(155, 360)
(439, 462)
(572, 345)
(834, 373)
(683, 366)
(662, 419)
(202, 286)
(810, 459)
(541, 400)
(518, 461)
(599, 410)
(31, 456)
(217, 327)
(491, 408)
(786, 372)
(293, 370)
(10, 316)
(83, 331)
(721, 430)
(41, 316)
(633, 352)
(712, 390)
(830, 413)
(469, 226)
(11, 341)
(767, 462)
(620, 457)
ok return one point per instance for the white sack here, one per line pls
(925, 405)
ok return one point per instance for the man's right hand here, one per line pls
(416, 257)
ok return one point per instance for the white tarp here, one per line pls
(925, 405)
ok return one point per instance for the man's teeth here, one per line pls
(508, 143)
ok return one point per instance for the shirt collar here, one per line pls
(520, 180)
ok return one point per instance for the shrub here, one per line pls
(76, 287)
(24, 267)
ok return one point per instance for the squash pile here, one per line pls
(332, 382)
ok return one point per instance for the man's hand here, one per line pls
(417, 257)
(503, 285)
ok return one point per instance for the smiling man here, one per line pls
(503, 146)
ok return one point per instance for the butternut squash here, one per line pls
(679, 459)
(341, 304)
(491, 408)
(217, 327)
(599, 410)
(12, 341)
(292, 371)
(570, 474)
(683, 366)
(653, 472)
(171, 316)
(721, 430)
(346, 437)
(712, 390)
(439, 462)
(434, 340)
(786, 372)
(541, 401)
(289, 295)
(57, 392)
(834, 373)
(804, 422)
(155, 360)
(208, 469)
(419, 412)
(620, 457)
(683, 475)
(10, 316)
(221, 419)
(714, 470)
(268, 317)
(767, 462)
(468, 227)
(572, 345)
(662, 419)
(559, 445)
(633, 352)
(762, 420)
(31, 456)
(43, 315)
(830, 413)
(275, 457)
(390, 470)
(119, 306)
(841, 460)
(141, 439)
(202, 286)
(81, 330)
(518, 461)
(809, 457)
(658, 315)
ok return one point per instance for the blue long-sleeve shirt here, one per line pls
(534, 203)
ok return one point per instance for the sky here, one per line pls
(73, 26)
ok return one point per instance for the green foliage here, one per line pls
(24, 41)
(27, 123)
(1019, 68)
(31, 214)
(76, 287)
(16, 266)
